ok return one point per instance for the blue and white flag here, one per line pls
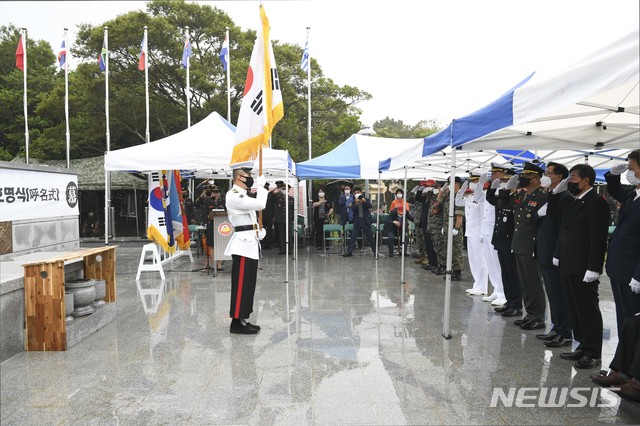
(186, 53)
(305, 58)
(224, 52)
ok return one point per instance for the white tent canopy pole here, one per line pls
(447, 285)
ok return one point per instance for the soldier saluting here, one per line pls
(244, 247)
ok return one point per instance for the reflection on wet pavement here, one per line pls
(343, 342)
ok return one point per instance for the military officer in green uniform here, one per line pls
(529, 199)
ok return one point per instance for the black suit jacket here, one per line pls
(583, 232)
(366, 213)
(503, 228)
(623, 260)
(548, 230)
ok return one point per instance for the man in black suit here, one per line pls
(548, 230)
(623, 260)
(361, 222)
(580, 256)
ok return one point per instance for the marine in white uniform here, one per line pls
(244, 247)
(497, 298)
(471, 198)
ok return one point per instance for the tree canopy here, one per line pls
(335, 115)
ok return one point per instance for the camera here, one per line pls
(360, 197)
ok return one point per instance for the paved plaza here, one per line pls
(342, 342)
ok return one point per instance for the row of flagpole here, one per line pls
(254, 125)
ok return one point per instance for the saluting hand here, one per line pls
(562, 186)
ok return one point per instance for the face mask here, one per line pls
(631, 177)
(248, 181)
(283, 191)
(545, 181)
(320, 194)
(398, 195)
(573, 188)
(347, 192)
(523, 181)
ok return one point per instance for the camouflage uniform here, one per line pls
(434, 227)
(416, 211)
(456, 260)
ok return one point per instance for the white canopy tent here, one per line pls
(203, 149)
(589, 107)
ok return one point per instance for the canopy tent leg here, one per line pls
(378, 217)
(403, 246)
(446, 332)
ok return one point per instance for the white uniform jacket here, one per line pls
(242, 211)
(473, 211)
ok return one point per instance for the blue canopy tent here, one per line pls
(590, 106)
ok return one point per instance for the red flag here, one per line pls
(20, 55)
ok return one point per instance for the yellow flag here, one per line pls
(262, 105)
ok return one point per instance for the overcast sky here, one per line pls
(420, 60)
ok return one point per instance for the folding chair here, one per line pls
(331, 229)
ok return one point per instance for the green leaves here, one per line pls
(334, 108)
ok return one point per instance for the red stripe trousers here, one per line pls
(243, 286)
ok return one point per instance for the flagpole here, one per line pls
(147, 136)
(26, 121)
(107, 175)
(106, 86)
(66, 94)
(229, 81)
(188, 87)
(310, 193)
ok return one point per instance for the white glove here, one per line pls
(496, 183)
(464, 187)
(261, 181)
(442, 231)
(635, 286)
(454, 232)
(445, 186)
(542, 211)
(427, 189)
(262, 233)
(513, 182)
(415, 189)
(590, 276)
(562, 186)
(483, 179)
(556, 262)
(618, 169)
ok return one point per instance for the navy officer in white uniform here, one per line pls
(244, 247)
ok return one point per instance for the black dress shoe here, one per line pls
(248, 324)
(347, 255)
(547, 336)
(557, 342)
(520, 322)
(607, 380)
(501, 309)
(587, 362)
(533, 325)
(574, 356)
(440, 271)
(512, 313)
(242, 327)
